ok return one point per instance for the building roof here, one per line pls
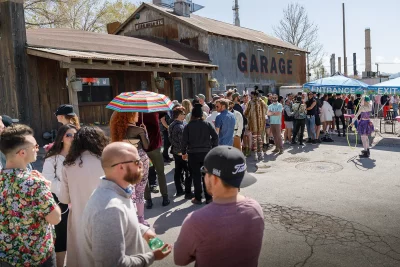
(83, 41)
(217, 27)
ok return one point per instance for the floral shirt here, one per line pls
(26, 238)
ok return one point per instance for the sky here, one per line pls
(382, 17)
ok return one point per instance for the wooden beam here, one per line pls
(102, 66)
(157, 65)
(208, 88)
(143, 64)
(90, 61)
(48, 55)
(126, 63)
(154, 74)
(73, 95)
(109, 62)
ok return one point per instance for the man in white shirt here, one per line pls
(238, 126)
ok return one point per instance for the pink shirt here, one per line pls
(222, 235)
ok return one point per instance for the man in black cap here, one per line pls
(222, 233)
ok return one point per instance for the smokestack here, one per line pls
(344, 42)
(339, 62)
(236, 13)
(333, 64)
(368, 67)
(355, 64)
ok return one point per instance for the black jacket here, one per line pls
(199, 136)
(338, 104)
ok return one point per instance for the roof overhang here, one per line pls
(101, 61)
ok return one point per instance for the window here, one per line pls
(95, 90)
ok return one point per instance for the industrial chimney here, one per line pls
(368, 48)
(236, 13)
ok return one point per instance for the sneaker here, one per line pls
(276, 150)
(313, 142)
(189, 196)
(165, 201)
(260, 156)
(154, 189)
(280, 152)
(196, 202)
(301, 144)
(318, 141)
(309, 140)
(293, 143)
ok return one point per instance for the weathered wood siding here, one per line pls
(171, 30)
(14, 99)
(47, 90)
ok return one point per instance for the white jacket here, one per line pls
(238, 124)
(327, 113)
(52, 171)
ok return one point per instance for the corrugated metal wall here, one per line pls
(241, 65)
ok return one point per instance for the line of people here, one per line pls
(93, 192)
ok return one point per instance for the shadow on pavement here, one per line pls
(173, 219)
(363, 164)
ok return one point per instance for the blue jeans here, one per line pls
(310, 123)
(395, 109)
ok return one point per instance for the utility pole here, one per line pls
(377, 72)
(344, 42)
(235, 9)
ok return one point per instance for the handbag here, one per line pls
(338, 112)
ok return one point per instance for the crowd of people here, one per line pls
(87, 206)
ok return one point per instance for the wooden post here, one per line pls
(208, 88)
(153, 81)
(14, 92)
(73, 95)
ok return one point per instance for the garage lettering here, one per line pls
(263, 65)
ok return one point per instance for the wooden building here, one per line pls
(245, 57)
(43, 63)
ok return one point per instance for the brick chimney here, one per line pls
(14, 93)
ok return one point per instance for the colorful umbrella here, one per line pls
(140, 101)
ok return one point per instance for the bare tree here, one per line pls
(296, 28)
(87, 15)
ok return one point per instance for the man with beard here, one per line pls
(112, 233)
(229, 231)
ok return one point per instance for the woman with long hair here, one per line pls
(52, 171)
(365, 126)
(80, 177)
(123, 128)
(66, 115)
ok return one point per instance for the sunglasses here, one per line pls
(69, 135)
(204, 171)
(137, 162)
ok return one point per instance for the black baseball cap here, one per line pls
(228, 163)
(65, 110)
(8, 121)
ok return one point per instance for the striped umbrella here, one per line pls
(140, 101)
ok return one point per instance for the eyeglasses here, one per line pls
(36, 147)
(137, 162)
(69, 135)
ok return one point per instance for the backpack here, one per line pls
(300, 114)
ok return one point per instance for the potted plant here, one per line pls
(76, 84)
(213, 83)
(160, 81)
